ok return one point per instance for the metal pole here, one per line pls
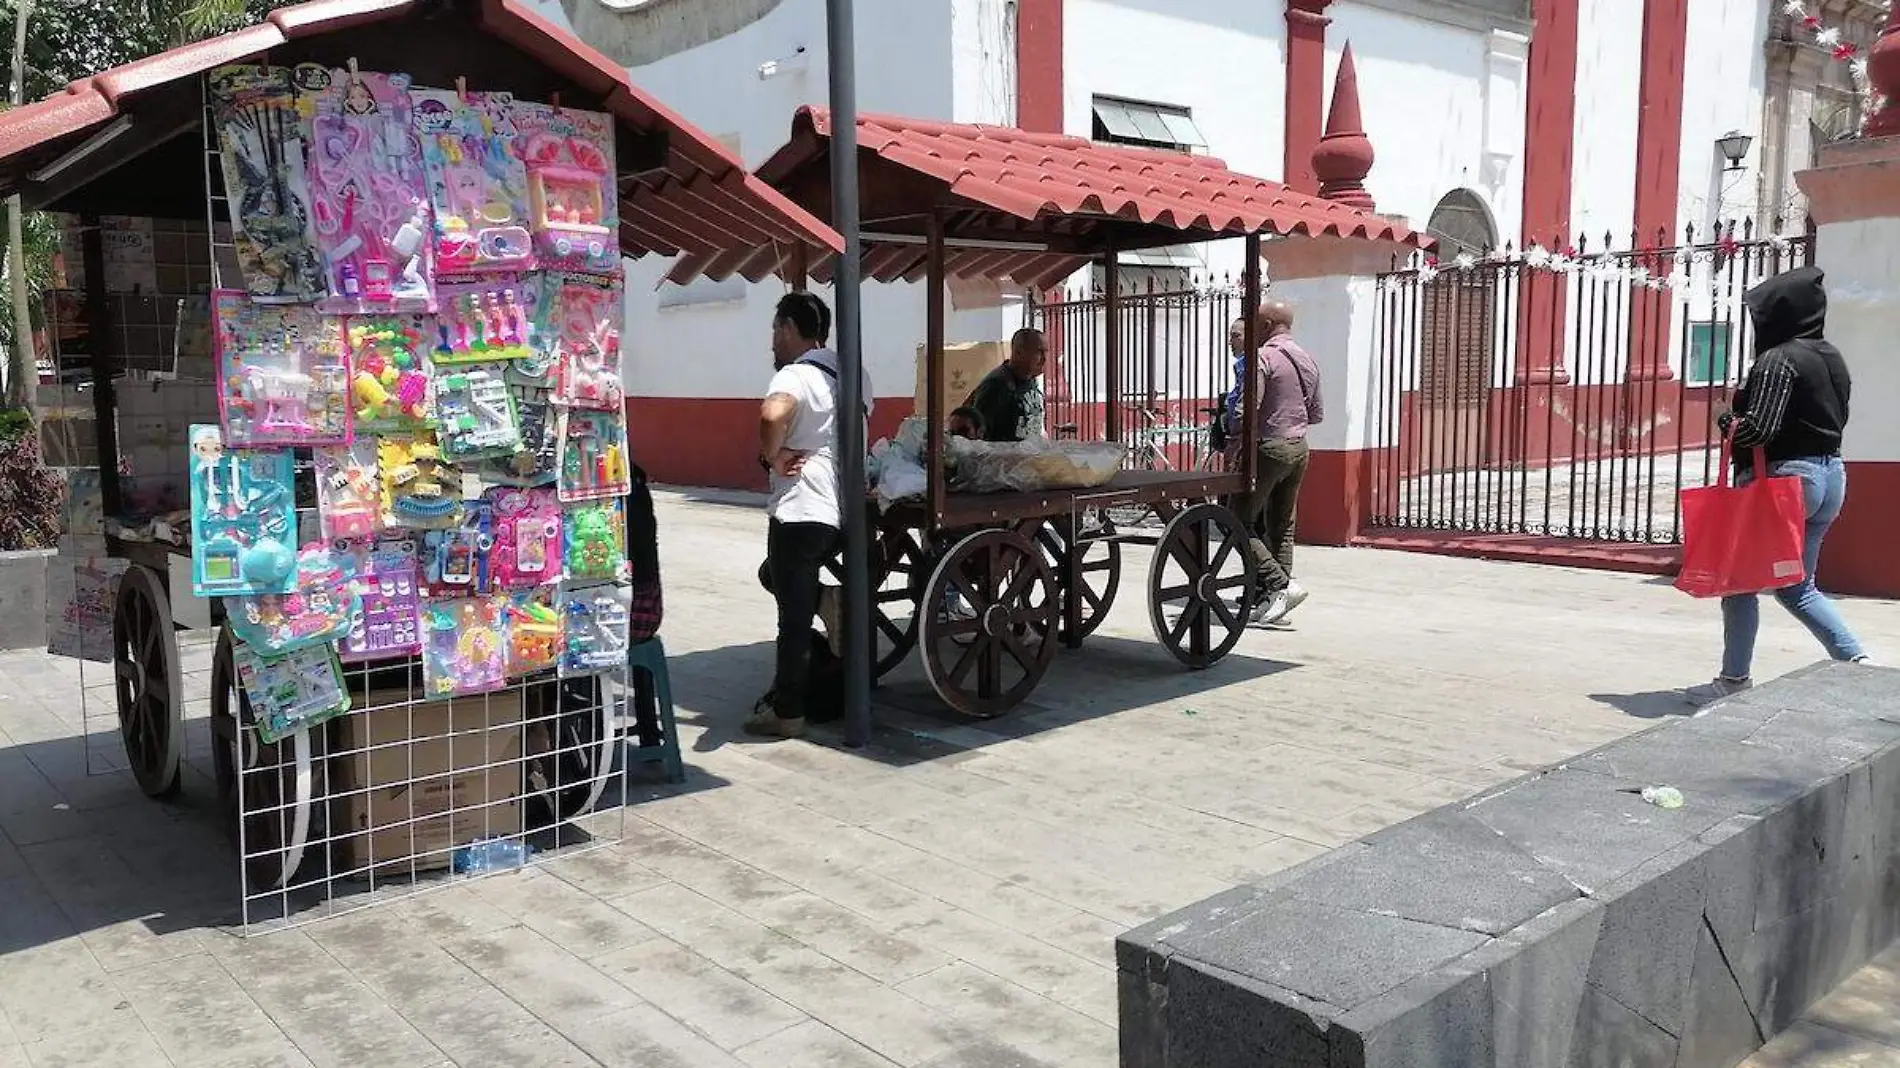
(841, 48)
(23, 379)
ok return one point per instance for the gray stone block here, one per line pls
(1792, 963)
(1441, 1018)
(1143, 1014)
(1537, 980)
(1652, 919)
(1611, 1035)
(1729, 892)
(1808, 849)
(1217, 1019)
(1145, 949)
(1720, 1029)
(1720, 773)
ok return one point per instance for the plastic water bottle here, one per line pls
(491, 854)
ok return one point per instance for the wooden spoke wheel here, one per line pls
(147, 681)
(986, 658)
(898, 570)
(269, 815)
(1202, 575)
(1094, 577)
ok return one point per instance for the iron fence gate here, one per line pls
(1567, 395)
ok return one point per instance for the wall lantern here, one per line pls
(1734, 148)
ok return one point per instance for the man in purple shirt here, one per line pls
(1289, 403)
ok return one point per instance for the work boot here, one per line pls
(765, 722)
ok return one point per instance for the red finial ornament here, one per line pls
(1343, 157)
(1883, 73)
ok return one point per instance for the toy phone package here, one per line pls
(260, 146)
(459, 562)
(477, 185)
(393, 386)
(419, 490)
(484, 321)
(476, 412)
(596, 541)
(283, 374)
(535, 632)
(596, 619)
(242, 518)
(318, 611)
(571, 198)
(580, 326)
(291, 692)
(349, 495)
(593, 454)
(369, 203)
(385, 624)
(462, 646)
(528, 549)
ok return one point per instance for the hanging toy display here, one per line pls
(534, 463)
(369, 205)
(535, 632)
(260, 148)
(596, 541)
(462, 646)
(393, 387)
(349, 494)
(593, 455)
(385, 624)
(476, 413)
(477, 185)
(572, 204)
(291, 692)
(242, 518)
(283, 374)
(484, 321)
(580, 326)
(419, 490)
(528, 547)
(458, 562)
(596, 625)
(318, 611)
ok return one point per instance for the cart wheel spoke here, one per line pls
(1005, 579)
(1204, 542)
(967, 661)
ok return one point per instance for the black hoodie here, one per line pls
(1794, 403)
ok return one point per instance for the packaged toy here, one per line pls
(596, 621)
(477, 185)
(289, 693)
(593, 454)
(571, 198)
(419, 489)
(369, 203)
(484, 321)
(458, 562)
(260, 147)
(580, 325)
(534, 463)
(283, 374)
(349, 495)
(535, 631)
(385, 624)
(462, 646)
(318, 611)
(393, 387)
(528, 548)
(596, 541)
(476, 412)
(242, 518)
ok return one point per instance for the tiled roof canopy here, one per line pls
(1032, 208)
(682, 193)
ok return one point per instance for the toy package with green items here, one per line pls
(393, 384)
(243, 519)
(292, 692)
(477, 413)
(596, 541)
(462, 646)
(318, 611)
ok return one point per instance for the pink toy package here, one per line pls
(477, 185)
(572, 203)
(386, 623)
(283, 374)
(484, 320)
(580, 320)
(349, 492)
(369, 202)
(528, 546)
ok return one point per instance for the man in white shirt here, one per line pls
(798, 444)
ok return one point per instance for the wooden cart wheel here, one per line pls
(1202, 574)
(1097, 577)
(147, 681)
(898, 571)
(986, 661)
(276, 806)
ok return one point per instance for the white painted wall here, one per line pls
(1727, 76)
(1609, 74)
(1862, 261)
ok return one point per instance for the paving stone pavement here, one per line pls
(946, 898)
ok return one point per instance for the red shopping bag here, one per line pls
(1742, 539)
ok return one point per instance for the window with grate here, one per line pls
(1146, 125)
(1707, 360)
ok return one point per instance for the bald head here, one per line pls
(1275, 318)
(1027, 353)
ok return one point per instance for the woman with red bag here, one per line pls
(1792, 409)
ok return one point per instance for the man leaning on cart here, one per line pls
(1289, 403)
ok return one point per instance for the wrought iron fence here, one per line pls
(1568, 394)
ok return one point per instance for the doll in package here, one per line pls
(477, 185)
(462, 646)
(485, 321)
(260, 147)
(571, 197)
(318, 611)
(292, 692)
(283, 374)
(596, 622)
(243, 519)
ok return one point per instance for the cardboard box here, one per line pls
(963, 367)
(420, 780)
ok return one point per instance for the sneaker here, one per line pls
(1714, 691)
(1273, 609)
(1295, 595)
(764, 722)
(831, 616)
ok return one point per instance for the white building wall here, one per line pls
(1727, 76)
(1609, 79)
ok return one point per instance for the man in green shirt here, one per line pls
(1009, 398)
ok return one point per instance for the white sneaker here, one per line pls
(1295, 595)
(1273, 609)
(831, 616)
(1714, 691)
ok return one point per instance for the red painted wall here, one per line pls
(1858, 558)
(1306, 23)
(1550, 119)
(1039, 65)
(1658, 170)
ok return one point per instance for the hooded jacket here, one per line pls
(1794, 402)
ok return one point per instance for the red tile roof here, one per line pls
(703, 206)
(1041, 178)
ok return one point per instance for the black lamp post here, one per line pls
(1734, 148)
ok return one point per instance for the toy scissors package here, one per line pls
(484, 321)
(596, 541)
(386, 621)
(462, 646)
(572, 203)
(243, 518)
(535, 632)
(593, 455)
(319, 611)
(476, 412)
(369, 203)
(349, 493)
(419, 490)
(596, 623)
(528, 548)
(283, 374)
(393, 385)
(292, 692)
(580, 326)
(260, 143)
(477, 185)
(459, 561)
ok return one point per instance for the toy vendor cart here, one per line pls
(148, 141)
(989, 583)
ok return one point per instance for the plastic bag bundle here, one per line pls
(1037, 464)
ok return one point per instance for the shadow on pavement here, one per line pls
(1654, 704)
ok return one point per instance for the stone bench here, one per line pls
(1561, 920)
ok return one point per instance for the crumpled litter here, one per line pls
(1663, 796)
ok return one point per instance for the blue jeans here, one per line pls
(1823, 490)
